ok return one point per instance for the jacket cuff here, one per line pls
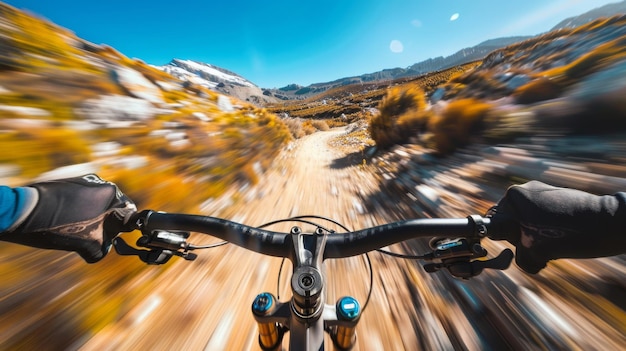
(27, 199)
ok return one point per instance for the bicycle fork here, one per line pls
(274, 318)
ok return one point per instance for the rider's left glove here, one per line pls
(81, 214)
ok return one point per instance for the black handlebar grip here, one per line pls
(503, 227)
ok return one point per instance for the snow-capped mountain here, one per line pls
(216, 78)
(203, 73)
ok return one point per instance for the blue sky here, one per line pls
(274, 43)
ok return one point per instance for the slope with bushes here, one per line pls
(63, 101)
(563, 82)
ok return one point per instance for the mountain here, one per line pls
(604, 11)
(294, 91)
(217, 79)
(465, 55)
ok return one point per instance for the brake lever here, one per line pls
(155, 256)
(148, 256)
(456, 256)
(466, 270)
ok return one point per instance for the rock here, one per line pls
(23, 123)
(401, 153)
(106, 149)
(224, 104)
(428, 196)
(128, 162)
(108, 108)
(26, 111)
(371, 152)
(9, 170)
(437, 95)
(136, 84)
(68, 171)
(517, 81)
(202, 116)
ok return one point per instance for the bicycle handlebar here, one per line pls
(338, 245)
(365, 240)
(262, 241)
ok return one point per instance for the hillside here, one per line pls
(563, 87)
(71, 106)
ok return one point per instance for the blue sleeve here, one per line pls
(11, 206)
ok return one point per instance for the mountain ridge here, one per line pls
(429, 65)
(607, 10)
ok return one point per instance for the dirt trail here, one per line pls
(205, 305)
(310, 178)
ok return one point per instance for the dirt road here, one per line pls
(205, 305)
(309, 178)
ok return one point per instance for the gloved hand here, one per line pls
(81, 214)
(546, 223)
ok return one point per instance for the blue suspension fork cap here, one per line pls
(263, 303)
(348, 308)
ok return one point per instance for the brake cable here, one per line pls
(209, 246)
(399, 255)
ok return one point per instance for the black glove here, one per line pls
(545, 223)
(80, 214)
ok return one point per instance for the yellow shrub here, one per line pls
(308, 128)
(295, 127)
(163, 188)
(336, 122)
(320, 125)
(537, 90)
(406, 105)
(39, 150)
(459, 121)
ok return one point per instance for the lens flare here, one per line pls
(396, 46)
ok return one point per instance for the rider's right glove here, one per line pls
(545, 223)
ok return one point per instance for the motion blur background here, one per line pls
(440, 137)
